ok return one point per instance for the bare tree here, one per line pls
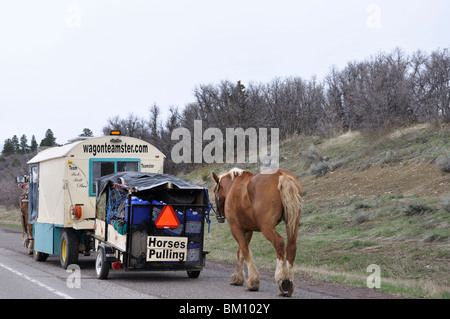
(133, 126)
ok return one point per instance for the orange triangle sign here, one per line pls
(167, 218)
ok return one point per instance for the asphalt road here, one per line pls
(22, 277)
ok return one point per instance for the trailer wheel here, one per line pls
(68, 248)
(193, 273)
(38, 256)
(101, 266)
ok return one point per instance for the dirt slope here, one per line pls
(420, 179)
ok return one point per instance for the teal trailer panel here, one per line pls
(46, 238)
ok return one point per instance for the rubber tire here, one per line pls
(38, 256)
(101, 266)
(68, 248)
(193, 273)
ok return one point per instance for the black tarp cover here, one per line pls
(139, 182)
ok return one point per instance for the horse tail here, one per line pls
(291, 197)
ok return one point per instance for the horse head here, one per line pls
(219, 197)
(24, 197)
(223, 184)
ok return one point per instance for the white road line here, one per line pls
(59, 293)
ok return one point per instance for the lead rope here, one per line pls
(208, 220)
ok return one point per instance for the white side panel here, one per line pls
(51, 192)
(78, 187)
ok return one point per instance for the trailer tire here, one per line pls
(101, 265)
(193, 273)
(39, 256)
(68, 248)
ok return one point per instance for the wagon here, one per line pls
(147, 221)
(62, 190)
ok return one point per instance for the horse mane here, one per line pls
(233, 173)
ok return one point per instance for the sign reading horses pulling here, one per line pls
(166, 248)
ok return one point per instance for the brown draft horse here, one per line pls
(27, 229)
(259, 203)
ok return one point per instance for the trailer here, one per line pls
(62, 190)
(150, 222)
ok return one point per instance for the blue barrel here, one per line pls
(140, 209)
(193, 253)
(193, 222)
(176, 231)
(157, 208)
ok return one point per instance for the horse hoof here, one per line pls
(252, 285)
(286, 287)
(237, 280)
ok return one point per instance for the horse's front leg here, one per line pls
(30, 240)
(244, 253)
(24, 235)
(25, 240)
(238, 277)
(253, 273)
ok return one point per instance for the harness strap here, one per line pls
(218, 197)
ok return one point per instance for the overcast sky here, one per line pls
(67, 65)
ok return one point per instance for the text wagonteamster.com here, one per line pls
(107, 149)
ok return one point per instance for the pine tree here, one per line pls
(8, 147)
(15, 142)
(34, 144)
(86, 133)
(49, 139)
(24, 144)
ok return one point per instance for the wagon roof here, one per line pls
(53, 152)
(142, 181)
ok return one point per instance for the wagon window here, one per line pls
(127, 167)
(103, 167)
(100, 169)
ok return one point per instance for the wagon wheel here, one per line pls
(39, 256)
(101, 266)
(193, 273)
(68, 248)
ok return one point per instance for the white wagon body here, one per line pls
(63, 186)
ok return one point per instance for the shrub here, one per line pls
(205, 175)
(319, 169)
(15, 162)
(417, 209)
(446, 203)
(443, 163)
(361, 217)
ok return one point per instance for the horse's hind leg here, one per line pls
(291, 252)
(283, 276)
(291, 247)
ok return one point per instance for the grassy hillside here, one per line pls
(381, 200)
